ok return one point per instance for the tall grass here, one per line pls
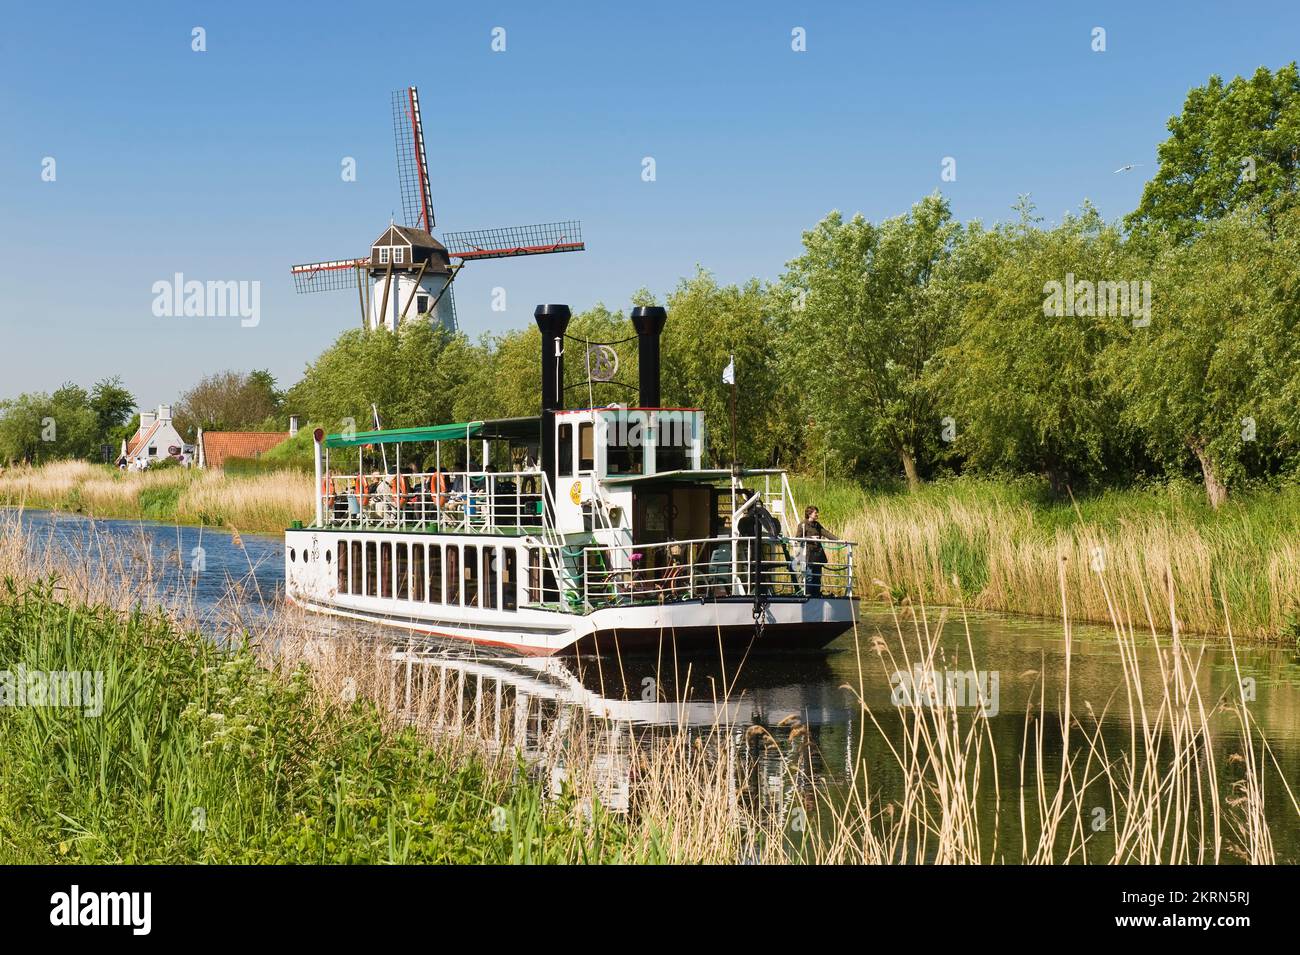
(256, 503)
(997, 546)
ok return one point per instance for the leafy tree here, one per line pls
(1023, 386)
(228, 401)
(1233, 144)
(864, 324)
(708, 325)
(1210, 374)
(39, 427)
(112, 405)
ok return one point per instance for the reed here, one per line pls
(998, 547)
(259, 503)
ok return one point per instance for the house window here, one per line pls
(152, 451)
(399, 255)
(421, 304)
(383, 255)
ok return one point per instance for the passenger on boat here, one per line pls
(814, 554)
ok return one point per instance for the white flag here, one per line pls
(729, 373)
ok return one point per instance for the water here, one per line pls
(807, 704)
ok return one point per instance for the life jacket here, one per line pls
(327, 491)
(402, 497)
(440, 489)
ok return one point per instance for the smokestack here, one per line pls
(552, 320)
(648, 320)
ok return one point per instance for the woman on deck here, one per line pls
(811, 534)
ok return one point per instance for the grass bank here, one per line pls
(998, 546)
(265, 502)
(198, 754)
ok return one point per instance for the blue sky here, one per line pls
(225, 165)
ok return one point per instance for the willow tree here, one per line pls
(1020, 381)
(864, 324)
(1208, 377)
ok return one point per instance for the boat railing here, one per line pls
(714, 568)
(442, 501)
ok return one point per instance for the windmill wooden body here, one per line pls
(409, 272)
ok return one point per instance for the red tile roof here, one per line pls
(219, 445)
(139, 439)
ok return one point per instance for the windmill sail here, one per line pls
(327, 276)
(412, 163)
(541, 239)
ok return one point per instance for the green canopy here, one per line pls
(522, 428)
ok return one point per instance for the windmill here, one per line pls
(407, 267)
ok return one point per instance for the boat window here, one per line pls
(453, 574)
(372, 570)
(417, 571)
(343, 567)
(586, 447)
(357, 567)
(509, 585)
(403, 570)
(490, 580)
(564, 451)
(471, 575)
(435, 573)
(541, 582)
(622, 455)
(386, 569)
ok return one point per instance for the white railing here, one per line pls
(450, 501)
(715, 567)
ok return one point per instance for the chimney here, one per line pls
(164, 412)
(147, 419)
(552, 320)
(293, 425)
(648, 320)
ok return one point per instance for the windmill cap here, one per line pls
(649, 319)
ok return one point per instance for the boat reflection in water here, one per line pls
(770, 731)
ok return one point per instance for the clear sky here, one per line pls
(226, 164)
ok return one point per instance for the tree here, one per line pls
(39, 427)
(112, 405)
(1022, 386)
(1233, 144)
(228, 400)
(708, 325)
(1210, 375)
(864, 324)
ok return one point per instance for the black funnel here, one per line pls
(648, 320)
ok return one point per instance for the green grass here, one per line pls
(201, 755)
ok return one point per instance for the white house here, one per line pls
(156, 440)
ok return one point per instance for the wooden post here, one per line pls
(388, 280)
(415, 291)
(361, 296)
